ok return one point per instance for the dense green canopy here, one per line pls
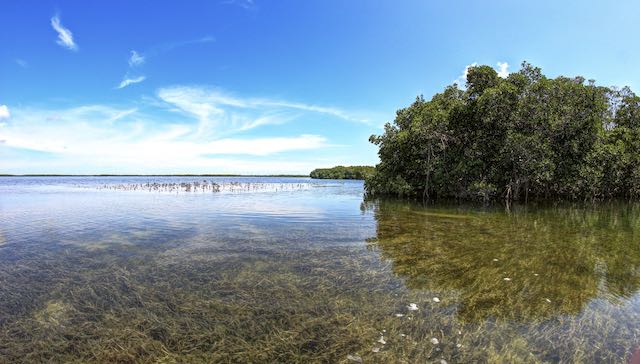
(341, 172)
(518, 137)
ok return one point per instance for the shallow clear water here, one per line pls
(307, 272)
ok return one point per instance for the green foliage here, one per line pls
(341, 172)
(519, 137)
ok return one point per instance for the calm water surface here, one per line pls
(300, 270)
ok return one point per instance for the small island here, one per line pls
(342, 172)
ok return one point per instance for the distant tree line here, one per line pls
(515, 138)
(341, 172)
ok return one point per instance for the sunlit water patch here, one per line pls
(307, 275)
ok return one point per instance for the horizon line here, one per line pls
(151, 175)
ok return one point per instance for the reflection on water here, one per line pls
(520, 266)
(308, 275)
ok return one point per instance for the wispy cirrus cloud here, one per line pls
(180, 130)
(218, 111)
(166, 47)
(130, 81)
(65, 37)
(124, 140)
(136, 59)
(245, 4)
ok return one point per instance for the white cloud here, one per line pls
(65, 37)
(126, 140)
(180, 130)
(314, 108)
(462, 79)
(503, 69)
(22, 63)
(4, 112)
(217, 110)
(130, 81)
(121, 114)
(136, 59)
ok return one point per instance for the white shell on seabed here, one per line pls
(436, 299)
(548, 300)
(412, 307)
(381, 340)
(458, 345)
(435, 341)
(375, 350)
(442, 361)
(506, 279)
(355, 358)
(495, 259)
(399, 315)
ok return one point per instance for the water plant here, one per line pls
(190, 285)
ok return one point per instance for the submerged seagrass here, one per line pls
(309, 275)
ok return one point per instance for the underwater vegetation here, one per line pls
(589, 253)
(137, 278)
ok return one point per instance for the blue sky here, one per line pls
(265, 86)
